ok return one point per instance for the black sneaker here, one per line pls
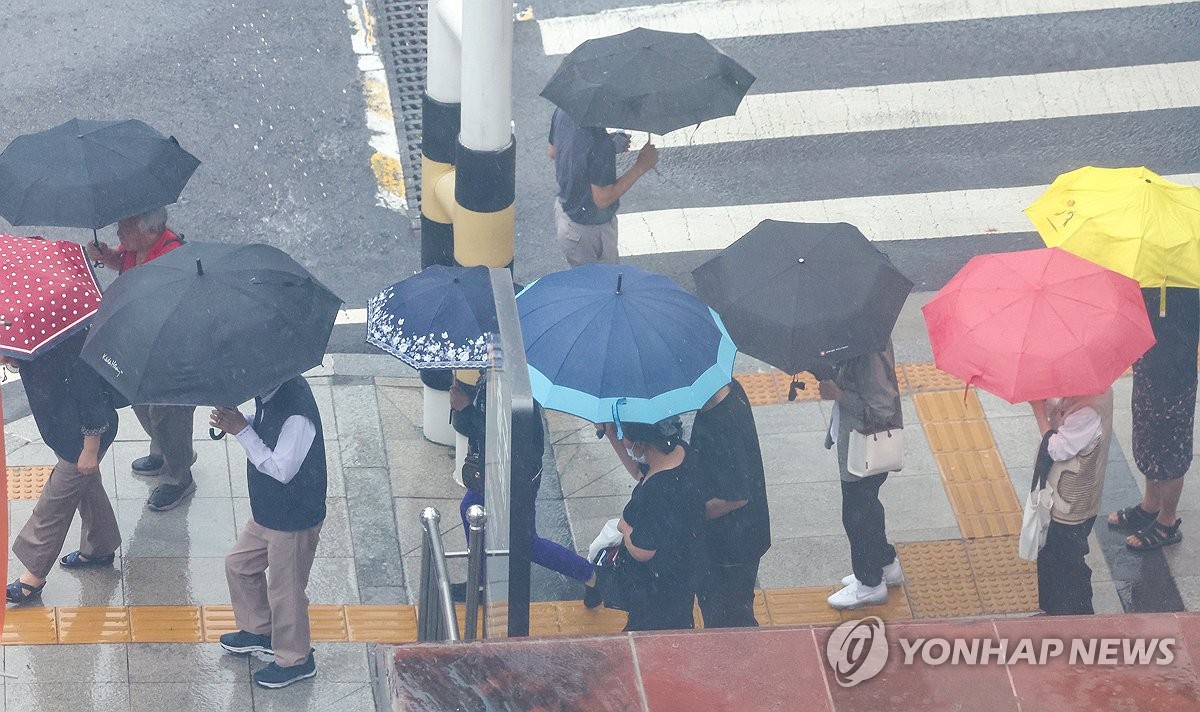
(148, 466)
(244, 643)
(274, 676)
(166, 497)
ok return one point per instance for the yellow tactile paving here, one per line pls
(941, 406)
(760, 388)
(543, 618)
(985, 509)
(381, 624)
(98, 624)
(165, 624)
(574, 619)
(971, 466)
(944, 598)
(928, 560)
(1008, 594)
(959, 436)
(997, 556)
(327, 623)
(27, 482)
(989, 525)
(215, 621)
(920, 377)
(798, 606)
(30, 626)
(897, 607)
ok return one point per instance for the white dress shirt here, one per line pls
(282, 463)
(1079, 433)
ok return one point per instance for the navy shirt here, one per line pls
(67, 398)
(583, 157)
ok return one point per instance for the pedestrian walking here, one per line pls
(1076, 433)
(1164, 409)
(866, 399)
(661, 556)
(75, 412)
(269, 565)
(470, 419)
(737, 530)
(144, 238)
(589, 190)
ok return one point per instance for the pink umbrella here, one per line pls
(1037, 324)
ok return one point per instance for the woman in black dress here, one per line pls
(661, 527)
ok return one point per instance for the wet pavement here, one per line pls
(953, 513)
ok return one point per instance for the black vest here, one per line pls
(300, 504)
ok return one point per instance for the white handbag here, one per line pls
(875, 453)
(1036, 521)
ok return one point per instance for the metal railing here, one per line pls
(437, 618)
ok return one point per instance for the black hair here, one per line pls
(662, 436)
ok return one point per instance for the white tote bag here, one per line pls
(1036, 521)
(876, 453)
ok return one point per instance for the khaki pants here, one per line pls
(170, 431)
(582, 244)
(274, 605)
(41, 539)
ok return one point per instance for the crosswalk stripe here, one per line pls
(351, 316)
(717, 19)
(912, 216)
(1085, 92)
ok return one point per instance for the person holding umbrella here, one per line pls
(76, 415)
(143, 238)
(866, 399)
(589, 191)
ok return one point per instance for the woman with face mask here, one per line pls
(660, 528)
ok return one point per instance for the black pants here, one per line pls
(863, 520)
(1064, 578)
(727, 595)
(663, 610)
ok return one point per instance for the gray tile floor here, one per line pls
(382, 474)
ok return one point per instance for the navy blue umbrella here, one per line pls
(614, 342)
(438, 318)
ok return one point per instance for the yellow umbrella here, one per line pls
(1130, 220)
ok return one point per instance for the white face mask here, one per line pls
(639, 459)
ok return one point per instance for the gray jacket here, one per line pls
(870, 400)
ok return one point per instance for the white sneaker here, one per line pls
(856, 595)
(892, 575)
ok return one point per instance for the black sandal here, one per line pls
(1132, 519)
(1156, 536)
(76, 560)
(20, 592)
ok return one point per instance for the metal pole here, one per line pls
(476, 520)
(427, 628)
(487, 31)
(430, 521)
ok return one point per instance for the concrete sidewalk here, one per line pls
(950, 511)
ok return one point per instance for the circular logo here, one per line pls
(857, 651)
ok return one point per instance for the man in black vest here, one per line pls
(286, 474)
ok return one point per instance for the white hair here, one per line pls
(152, 221)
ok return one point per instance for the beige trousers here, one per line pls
(582, 244)
(274, 605)
(41, 539)
(170, 431)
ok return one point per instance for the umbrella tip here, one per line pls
(199, 268)
(620, 276)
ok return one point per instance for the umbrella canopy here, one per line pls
(598, 336)
(648, 80)
(1037, 324)
(90, 173)
(1129, 220)
(438, 318)
(209, 324)
(802, 295)
(47, 291)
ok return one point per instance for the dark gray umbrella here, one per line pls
(802, 296)
(209, 324)
(90, 173)
(648, 80)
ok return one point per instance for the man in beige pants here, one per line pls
(268, 568)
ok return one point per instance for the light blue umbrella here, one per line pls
(615, 341)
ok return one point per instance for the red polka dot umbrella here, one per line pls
(47, 291)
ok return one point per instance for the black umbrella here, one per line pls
(90, 173)
(801, 296)
(438, 318)
(209, 324)
(648, 80)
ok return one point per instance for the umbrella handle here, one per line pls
(96, 242)
(215, 434)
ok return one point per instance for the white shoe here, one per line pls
(856, 595)
(892, 575)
